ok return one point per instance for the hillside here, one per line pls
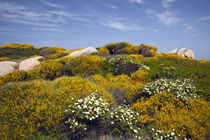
(117, 91)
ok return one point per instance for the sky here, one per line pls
(166, 24)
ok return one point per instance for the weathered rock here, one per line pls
(86, 51)
(181, 52)
(29, 64)
(189, 54)
(116, 48)
(6, 68)
(175, 51)
(184, 52)
(11, 63)
(145, 51)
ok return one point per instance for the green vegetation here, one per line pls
(124, 92)
(18, 51)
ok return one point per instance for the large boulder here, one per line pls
(29, 64)
(184, 52)
(189, 54)
(86, 51)
(7, 67)
(117, 48)
(145, 51)
(181, 52)
(175, 51)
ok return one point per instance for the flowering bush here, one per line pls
(123, 65)
(183, 89)
(184, 68)
(83, 113)
(103, 50)
(4, 59)
(77, 87)
(84, 66)
(22, 46)
(15, 76)
(125, 122)
(172, 118)
(121, 87)
(88, 109)
(48, 70)
(72, 50)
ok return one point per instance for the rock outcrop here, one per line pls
(7, 67)
(29, 64)
(184, 52)
(145, 51)
(86, 51)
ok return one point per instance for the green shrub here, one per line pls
(84, 66)
(122, 65)
(17, 53)
(185, 68)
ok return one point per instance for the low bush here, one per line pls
(72, 50)
(19, 46)
(121, 87)
(15, 76)
(28, 108)
(85, 114)
(133, 49)
(84, 66)
(122, 65)
(182, 89)
(50, 69)
(166, 116)
(34, 107)
(185, 68)
(17, 53)
(77, 87)
(4, 59)
(86, 110)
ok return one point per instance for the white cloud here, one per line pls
(189, 28)
(137, 1)
(14, 12)
(204, 18)
(120, 26)
(168, 18)
(12, 7)
(50, 4)
(112, 6)
(49, 29)
(167, 3)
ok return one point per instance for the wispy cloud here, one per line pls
(120, 25)
(167, 3)
(18, 13)
(168, 18)
(188, 28)
(204, 18)
(50, 29)
(50, 4)
(137, 1)
(112, 6)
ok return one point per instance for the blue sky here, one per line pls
(166, 24)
